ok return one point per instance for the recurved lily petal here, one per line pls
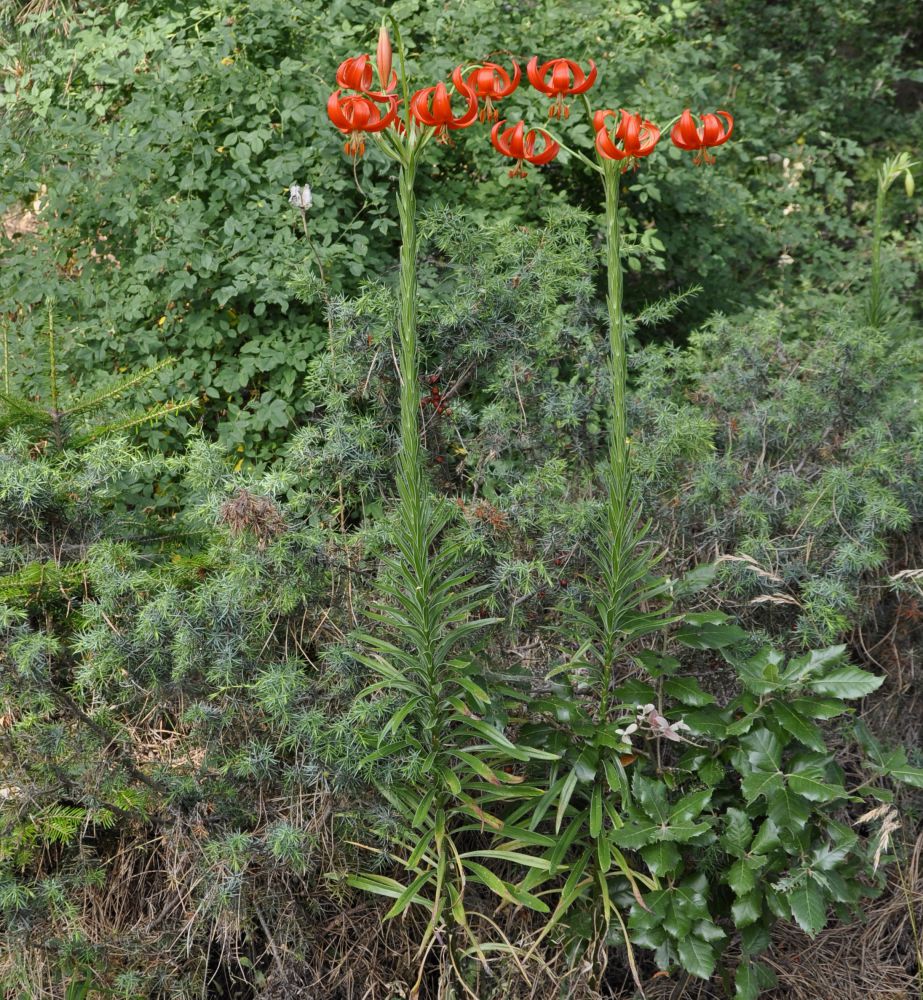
(633, 138)
(566, 77)
(519, 144)
(432, 106)
(698, 139)
(356, 74)
(356, 114)
(491, 82)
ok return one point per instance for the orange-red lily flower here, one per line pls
(491, 82)
(356, 114)
(518, 144)
(356, 74)
(432, 106)
(566, 78)
(697, 139)
(633, 138)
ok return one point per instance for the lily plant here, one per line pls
(468, 776)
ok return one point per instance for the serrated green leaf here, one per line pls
(689, 806)
(741, 877)
(788, 810)
(800, 667)
(809, 907)
(709, 636)
(688, 691)
(747, 909)
(761, 783)
(819, 708)
(814, 789)
(767, 838)
(737, 832)
(761, 673)
(755, 939)
(657, 664)
(751, 979)
(798, 726)
(662, 858)
(847, 682)
(764, 751)
(696, 956)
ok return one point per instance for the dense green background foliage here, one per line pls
(184, 758)
(166, 137)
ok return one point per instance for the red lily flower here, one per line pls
(712, 132)
(432, 106)
(519, 145)
(566, 78)
(356, 114)
(491, 82)
(356, 74)
(637, 136)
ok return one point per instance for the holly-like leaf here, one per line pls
(847, 682)
(755, 939)
(767, 837)
(764, 751)
(688, 691)
(662, 859)
(788, 810)
(737, 832)
(797, 725)
(747, 909)
(657, 664)
(819, 708)
(741, 877)
(689, 806)
(809, 907)
(815, 788)
(709, 630)
(708, 721)
(813, 662)
(751, 979)
(761, 783)
(761, 673)
(697, 956)
(636, 835)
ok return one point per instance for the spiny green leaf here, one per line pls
(751, 979)
(847, 682)
(697, 956)
(809, 908)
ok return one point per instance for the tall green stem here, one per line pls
(618, 357)
(615, 544)
(415, 513)
(408, 457)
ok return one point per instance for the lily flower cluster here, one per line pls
(620, 135)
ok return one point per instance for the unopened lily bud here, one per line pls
(383, 56)
(908, 183)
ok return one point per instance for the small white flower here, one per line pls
(625, 734)
(660, 725)
(301, 197)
